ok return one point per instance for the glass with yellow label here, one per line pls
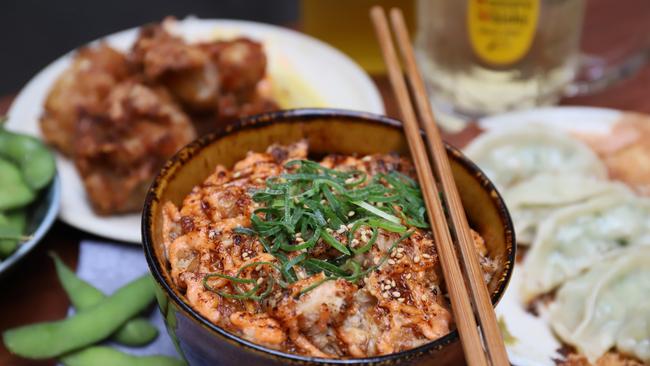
(481, 57)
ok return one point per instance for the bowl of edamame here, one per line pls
(29, 195)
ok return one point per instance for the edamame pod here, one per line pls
(14, 192)
(12, 227)
(82, 295)
(136, 332)
(53, 339)
(34, 159)
(106, 356)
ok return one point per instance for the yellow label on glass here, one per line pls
(502, 31)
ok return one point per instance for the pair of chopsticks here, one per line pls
(490, 349)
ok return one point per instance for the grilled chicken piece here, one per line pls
(370, 164)
(312, 318)
(94, 72)
(119, 147)
(259, 328)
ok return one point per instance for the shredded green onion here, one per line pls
(303, 208)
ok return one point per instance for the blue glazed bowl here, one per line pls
(41, 216)
(328, 131)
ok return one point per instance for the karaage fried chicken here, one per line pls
(120, 116)
(220, 76)
(85, 84)
(120, 147)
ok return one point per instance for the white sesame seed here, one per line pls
(423, 297)
(351, 213)
(408, 276)
(322, 202)
(399, 255)
(329, 230)
(427, 256)
(392, 282)
(416, 259)
(355, 241)
(259, 266)
(385, 295)
(401, 299)
(236, 174)
(391, 261)
(400, 249)
(396, 294)
(298, 234)
(376, 260)
(260, 280)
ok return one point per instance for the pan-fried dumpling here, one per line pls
(510, 155)
(634, 336)
(532, 200)
(607, 306)
(576, 237)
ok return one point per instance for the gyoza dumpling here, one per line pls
(532, 200)
(634, 336)
(599, 309)
(510, 155)
(576, 237)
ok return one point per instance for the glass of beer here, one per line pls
(345, 24)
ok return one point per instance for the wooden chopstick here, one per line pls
(482, 303)
(461, 299)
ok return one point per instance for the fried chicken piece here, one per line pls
(241, 62)
(185, 69)
(90, 78)
(120, 146)
(219, 76)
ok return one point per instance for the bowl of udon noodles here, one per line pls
(301, 238)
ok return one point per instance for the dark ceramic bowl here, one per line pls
(328, 131)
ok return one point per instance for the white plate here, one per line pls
(570, 119)
(535, 343)
(293, 58)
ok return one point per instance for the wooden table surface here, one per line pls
(31, 292)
